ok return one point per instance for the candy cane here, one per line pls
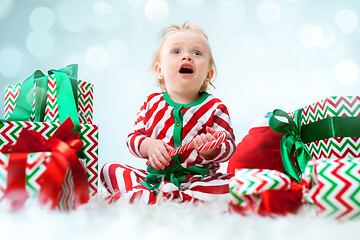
(219, 136)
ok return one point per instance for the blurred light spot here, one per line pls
(42, 19)
(232, 11)
(118, 51)
(246, 51)
(310, 35)
(269, 12)
(97, 58)
(346, 20)
(4, 7)
(328, 39)
(39, 43)
(317, 36)
(191, 3)
(104, 17)
(10, 62)
(102, 7)
(336, 51)
(346, 72)
(74, 15)
(136, 3)
(156, 10)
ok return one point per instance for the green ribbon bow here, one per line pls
(175, 174)
(291, 144)
(66, 80)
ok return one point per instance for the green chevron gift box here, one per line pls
(342, 137)
(328, 129)
(331, 187)
(35, 168)
(334, 187)
(42, 102)
(83, 93)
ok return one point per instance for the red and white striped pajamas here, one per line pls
(175, 124)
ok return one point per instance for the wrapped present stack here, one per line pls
(320, 151)
(43, 103)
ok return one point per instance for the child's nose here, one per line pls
(187, 58)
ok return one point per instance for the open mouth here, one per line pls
(186, 69)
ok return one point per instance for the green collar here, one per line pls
(202, 98)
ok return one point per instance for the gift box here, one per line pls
(35, 168)
(264, 191)
(333, 107)
(54, 175)
(42, 102)
(10, 130)
(330, 187)
(84, 98)
(327, 129)
(334, 187)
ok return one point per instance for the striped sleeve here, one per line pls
(222, 122)
(138, 133)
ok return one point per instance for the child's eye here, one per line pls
(198, 53)
(175, 51)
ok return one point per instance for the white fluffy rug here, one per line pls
(166, 220)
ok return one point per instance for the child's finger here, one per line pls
(156, 164)
(167, 150)
(152, 163)
(162, 162)
(210, 130)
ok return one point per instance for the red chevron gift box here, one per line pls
(264, 191)
(83, 95)
(329, 186)
(334, 187)
(53, 175)
(10, 130)
(335, 108)
(328, 129)
(42, 102)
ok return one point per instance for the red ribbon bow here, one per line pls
(63, 146)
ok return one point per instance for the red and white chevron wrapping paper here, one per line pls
(11, 94)
(9, 132)
(247, 184)
(85, 101)
(335, 190)
(338, 147)
(35, 167)
(330, 186)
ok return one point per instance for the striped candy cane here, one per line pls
(219, 136)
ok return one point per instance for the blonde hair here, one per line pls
(165, 32)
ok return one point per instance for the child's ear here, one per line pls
(158, 71)
(210, 74)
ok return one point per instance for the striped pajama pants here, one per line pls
(124, 181)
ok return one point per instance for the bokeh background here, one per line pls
(269, 54)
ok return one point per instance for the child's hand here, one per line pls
(157, 153)
(204, 138)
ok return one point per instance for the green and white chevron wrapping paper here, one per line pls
(330, 186)
(335, 190)
(85, 101)
(338, 147)
(247, 184)
(11, 94)
(36, 166)
(9, 132)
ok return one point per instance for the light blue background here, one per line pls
(269, 54)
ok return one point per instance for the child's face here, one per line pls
(185, 62)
